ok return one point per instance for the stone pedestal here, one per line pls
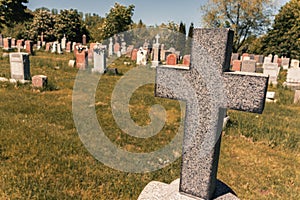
(161, 191)
(39, 81)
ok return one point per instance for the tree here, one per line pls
(284, 36)
(118, 20)
(93, 22)
(12, 11)
(42, 24)
(181, 37)
(243, 16)
(70, 24)
(188, 44)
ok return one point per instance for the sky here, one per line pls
(152, 12)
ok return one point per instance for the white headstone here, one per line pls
(110, 47)
(54, 47)
(294, 63)
(99, 52)
(271, 70)
(63, 42)
(141, 57)
(285, 62)
(19, 66)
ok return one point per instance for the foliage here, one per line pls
(284, 37)
(118, 20)
(42, 24)
(93, 22)
(70, 24)
(181, 38)
(13, 11)
(244, 17)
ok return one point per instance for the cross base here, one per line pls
(161, 191)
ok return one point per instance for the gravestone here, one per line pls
(156, 57)
(297, 96)
(294, 63)
(268, 59)
(110, 47)
(54, 47)
(91, 53)
(39, 45)
(81, 58)
(259, 58)
(186, 60)
(68, 47)
(99, 52)
(162, 52)
(171, 59)
(29, 47)
(245, 56)
(13, 43)
(63, 42)
(1, 40)
(71, 63)
(134, 54)
(123, 48)
(141, 58)
(234, 56)
(39, 81)
(48, 46)
(59, 50)
(208, 90)
(236, 66)
(129, 51)
(7, 44)
(293, 78)
(285, 63)
(84, 39)
(275, 60)
(248, 65)
(116, 48)
(272, 70)
(19, 66)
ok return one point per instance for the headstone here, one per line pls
(13, 43)
(171, 59)
(54, 47)
(39, 45)
(63, 42)
(134, 54)
(245, 56)
(1, 40)
(68, 47)
(162, 52)
(156, 55)
(71, 63)
(236, 66)
(59, 50)
(251, 56)
(81, 58)
(7, 43)
(248, 65)
(110, 47)
(146, 45)
(29, 47)
(186, 60)
(293, 75)
(268, 59)
(91, 53)
(20, 44)
(39, 81)
(73, 46)
(99, 58)
(84, 39)
(294, 63)
(234, 56)
(259, 59)
(270, 97)
(285, 63)
(141, 58)
(208, 89)
(129, 51)
(19, 66)
(271, 70)
(116, 47)
(297, 96)
(123, 48)
(48, 46)
(275, 59)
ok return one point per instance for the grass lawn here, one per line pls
(42, 156)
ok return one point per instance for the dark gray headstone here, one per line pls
(208, 89)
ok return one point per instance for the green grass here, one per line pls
(42, 157)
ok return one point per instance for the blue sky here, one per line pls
(150, 11)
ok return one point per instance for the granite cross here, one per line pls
(208, 88)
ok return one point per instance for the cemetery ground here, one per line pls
(42, 157)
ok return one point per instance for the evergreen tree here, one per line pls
(188, 44)
(181, 38)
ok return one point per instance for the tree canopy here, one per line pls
(243, 16)
(13, 11)
(284, 36)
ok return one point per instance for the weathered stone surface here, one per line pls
(208, 91)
